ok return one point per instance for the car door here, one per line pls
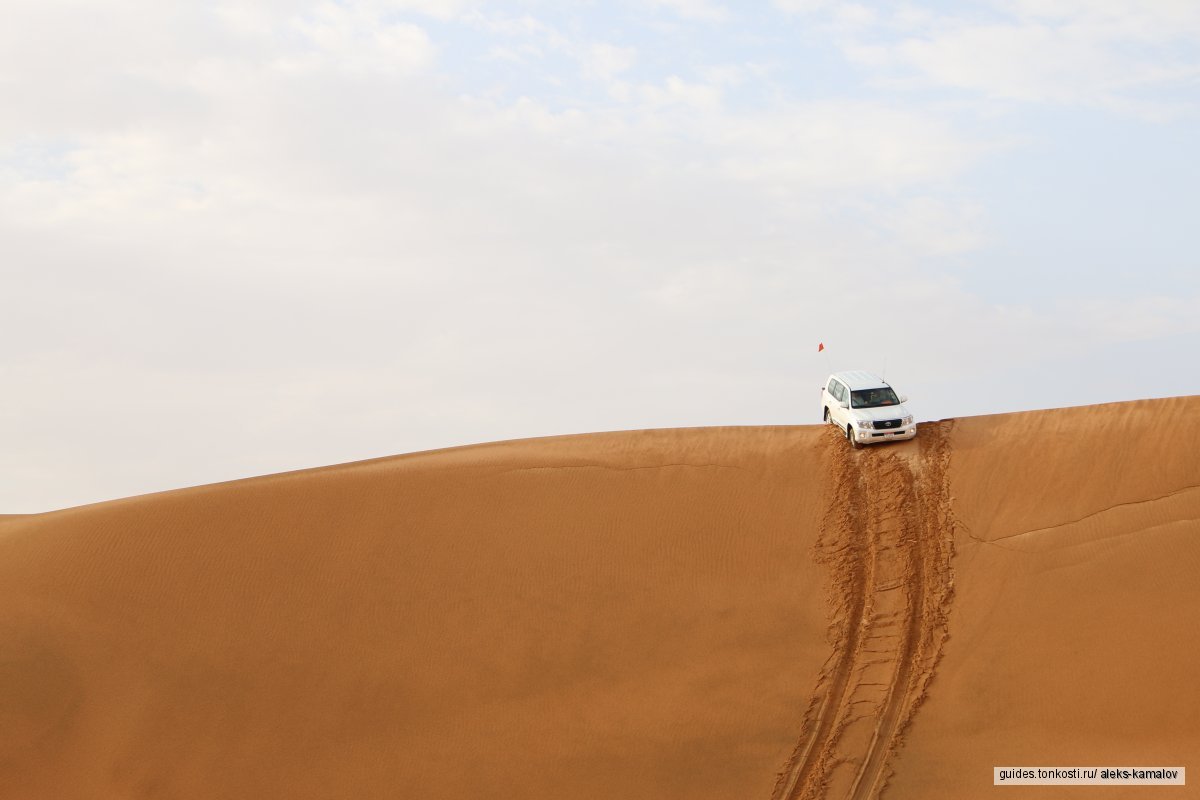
(840, 395)
(829, 398)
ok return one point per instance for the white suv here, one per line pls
(865, 408)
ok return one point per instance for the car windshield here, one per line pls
(873, 398)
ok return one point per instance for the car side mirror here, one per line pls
(844, 403)
(903, 398)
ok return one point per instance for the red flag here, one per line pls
(820, 347)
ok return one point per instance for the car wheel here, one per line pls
(850, 437)
(827, 414)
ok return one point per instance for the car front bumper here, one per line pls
(872, 436)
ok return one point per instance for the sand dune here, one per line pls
(693, 613)
(1073, 631)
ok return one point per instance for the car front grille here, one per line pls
(887, 423)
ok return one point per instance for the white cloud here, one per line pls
(839, 145)
(839, 16)
(439, 9)
(605, 61)
(1036, 62)
(802, 6)
(734, 75)
(927, 226)
(676, 91)
(357, 37)
(1132, 319)
(528, 39)
(704, 10)
(1153, 21)
(1064, 52)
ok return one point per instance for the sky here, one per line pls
(243, 238)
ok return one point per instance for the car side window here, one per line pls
(837, 390)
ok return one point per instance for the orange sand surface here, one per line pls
(694, 613)
(1075, 632)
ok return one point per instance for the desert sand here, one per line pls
(751, 612)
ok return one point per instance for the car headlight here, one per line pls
(908, 420)
(866, 423)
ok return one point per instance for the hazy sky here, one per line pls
(240, 238)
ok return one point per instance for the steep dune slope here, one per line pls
(1073, 633)
(887, 540)
(610, 615)
(699, 613)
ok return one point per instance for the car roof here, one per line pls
(860, 379)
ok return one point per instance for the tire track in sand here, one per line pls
(887, 540)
